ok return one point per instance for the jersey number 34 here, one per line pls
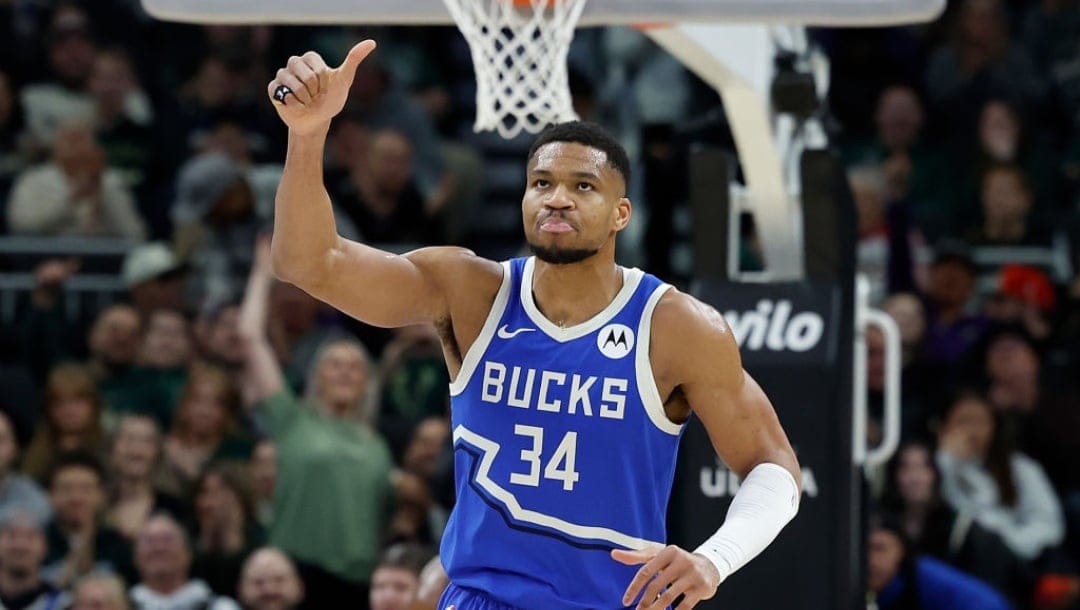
(560, 465)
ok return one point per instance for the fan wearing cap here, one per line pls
(1025, 296)
(217, 214)
(155, 278)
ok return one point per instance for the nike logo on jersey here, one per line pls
(506, 333)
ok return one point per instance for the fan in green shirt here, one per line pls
(333, 495)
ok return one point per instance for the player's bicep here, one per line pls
(382, 288)
(739, 418)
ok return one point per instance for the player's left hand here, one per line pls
(668, 573)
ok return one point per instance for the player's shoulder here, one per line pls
(456, 263)
(686, 331)
(458, 270)
(679, 313)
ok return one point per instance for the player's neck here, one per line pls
(571, 294)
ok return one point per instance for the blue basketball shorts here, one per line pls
(460, 598)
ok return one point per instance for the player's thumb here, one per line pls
(347, 69)
(631, 558)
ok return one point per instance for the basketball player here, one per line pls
(573, 377)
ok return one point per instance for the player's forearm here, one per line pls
(766, 501)
(304, 230)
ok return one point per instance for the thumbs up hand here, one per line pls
(307, 93)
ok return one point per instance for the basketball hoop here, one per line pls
(519, 48)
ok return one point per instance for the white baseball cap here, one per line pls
(149, 261)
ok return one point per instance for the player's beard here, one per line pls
(561, 256)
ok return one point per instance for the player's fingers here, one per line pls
(668, 597)
(646, 574)
(295, 87)
(305, 75)
(347, 69)
(319, 67)
(632, 558)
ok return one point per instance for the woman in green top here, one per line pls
(333, 495)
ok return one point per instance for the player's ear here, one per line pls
(623, 211)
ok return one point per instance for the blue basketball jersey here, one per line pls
(562, 450)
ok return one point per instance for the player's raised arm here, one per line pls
(375, 286)
(695, 354)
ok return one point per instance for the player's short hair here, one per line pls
(405, 556)
(589, 134)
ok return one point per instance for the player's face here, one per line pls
(574, 202)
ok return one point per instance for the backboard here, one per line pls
(597, 12)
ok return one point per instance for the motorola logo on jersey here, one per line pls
(773, 326)
(615, 341)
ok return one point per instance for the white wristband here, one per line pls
(766, 501)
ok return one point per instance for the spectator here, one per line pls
(45, 335)
(898, 579)
(205, 428)
(379, 196)
(100, 592)
(155, 277)
(295, 332)
(1003, 139)
(114, 341)
(219, 336)
(163, 557)
(1024, 296)
(79, 540)
(225, 528)
(164, 358)
(979, 63)
(951, 330)
(913, 494)
(135, 457)
(1005, 491)
(22, 549)
(1007, 201)
(915, 174)
(327, 452)
(379, 101)
(71, 53)
(217, 90)
(396, 580)
(418, 517)
(18, 492)
(269, 582)
(123, 116)
(263, 469)
(72, 420)
(887, 264)
(920, 382)
(216, 221)
(75, 193)
(413, 381)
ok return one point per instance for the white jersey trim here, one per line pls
(631, 279)
(505, 497)
(472, 358)
(646, 383)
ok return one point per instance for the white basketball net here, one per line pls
(520, 57)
